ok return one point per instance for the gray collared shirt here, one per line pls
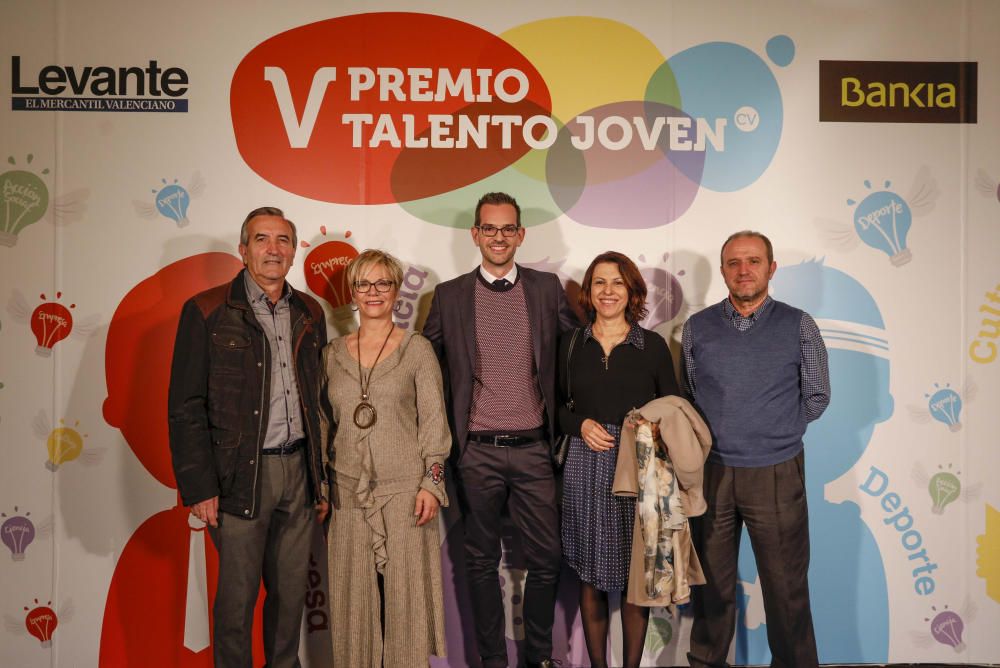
(284, 424)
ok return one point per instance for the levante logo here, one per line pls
(98, 88)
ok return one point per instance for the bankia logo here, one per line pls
(145, 88)
(870, 91)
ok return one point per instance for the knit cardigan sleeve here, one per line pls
(433, 435)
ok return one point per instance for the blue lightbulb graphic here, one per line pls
(172, 201)
(883, 220)
(945, 406)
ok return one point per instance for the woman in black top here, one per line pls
(616, 365)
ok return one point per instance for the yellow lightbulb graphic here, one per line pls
(64, 445)
(989, 553)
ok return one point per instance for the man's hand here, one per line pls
(595, 436)
(322, 510)
(207, 511)
(426, 507)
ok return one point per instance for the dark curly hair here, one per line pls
(635, 285)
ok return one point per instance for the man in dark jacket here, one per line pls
(495, 330)
(244, 436)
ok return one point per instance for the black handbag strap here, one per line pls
(569, 375)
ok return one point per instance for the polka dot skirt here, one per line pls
(596, 526)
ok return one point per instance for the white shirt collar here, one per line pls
(489, 278)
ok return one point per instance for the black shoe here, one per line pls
(544, 663)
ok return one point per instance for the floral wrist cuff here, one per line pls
(435, 473)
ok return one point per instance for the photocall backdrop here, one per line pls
(862, 137)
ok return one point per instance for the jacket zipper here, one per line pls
(305, 408)
(260, 425)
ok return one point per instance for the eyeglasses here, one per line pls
(491, 230)
(381, 285)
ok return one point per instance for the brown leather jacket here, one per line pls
(217, 407)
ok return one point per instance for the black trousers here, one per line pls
(522, 478)
(771, 500)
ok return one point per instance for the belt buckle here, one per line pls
(504, 440)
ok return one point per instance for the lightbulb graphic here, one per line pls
(570, 283)
(947, 628)
(326, 275)
(51, 322)
(25, 200)
(172, 201)
(882, 220)
(944, 488)
(64, 445)
(664, 296)
(987, 185)
(17, 532)
(659, 636)
(41, 622)
(945, 406)
(326, 270)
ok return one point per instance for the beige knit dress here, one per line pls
(375, 474)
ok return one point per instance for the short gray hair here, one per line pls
(748, 233)
(266, 211)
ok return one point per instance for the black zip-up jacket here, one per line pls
(220, 392)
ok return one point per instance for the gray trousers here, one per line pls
(771, 500)
(274, 545)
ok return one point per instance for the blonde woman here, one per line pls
(387, 444)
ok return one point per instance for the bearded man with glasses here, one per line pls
(495, 331)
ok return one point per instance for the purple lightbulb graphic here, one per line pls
(947, 627)
(17, 532)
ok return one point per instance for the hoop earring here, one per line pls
(354, 307)
(398, 306)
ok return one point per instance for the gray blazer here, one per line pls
(450, 327)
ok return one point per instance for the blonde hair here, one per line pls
(369, 259)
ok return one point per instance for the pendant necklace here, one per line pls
(365, 414)
(606, 357)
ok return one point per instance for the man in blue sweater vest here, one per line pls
(757, 369)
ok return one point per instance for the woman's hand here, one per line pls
(595, 436)
(426, 507)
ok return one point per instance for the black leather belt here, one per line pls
(285, 449)
(503, 440)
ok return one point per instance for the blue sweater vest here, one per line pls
(747, 384)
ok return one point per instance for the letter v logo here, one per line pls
(298, 131)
